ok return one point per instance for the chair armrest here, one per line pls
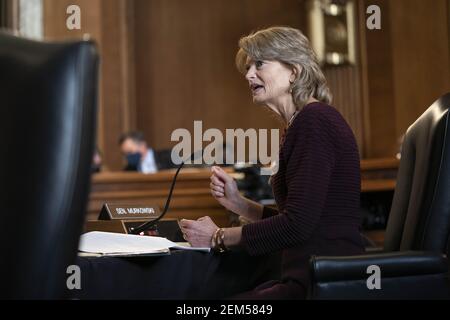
(392, 264)
(402, 274)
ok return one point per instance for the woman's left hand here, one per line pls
(200, 232)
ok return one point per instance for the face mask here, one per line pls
(95, 169)
(133, 160)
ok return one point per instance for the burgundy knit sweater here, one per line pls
(316, 189)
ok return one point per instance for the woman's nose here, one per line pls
(250, 73)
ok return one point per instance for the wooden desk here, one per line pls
(191, 198)
(378, 174)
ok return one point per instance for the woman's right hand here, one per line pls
(225, 191)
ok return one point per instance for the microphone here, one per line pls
(148, 224)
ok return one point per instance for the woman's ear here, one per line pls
(295, 72)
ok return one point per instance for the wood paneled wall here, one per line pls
(109, 23)
(185, 63)
(166, 63)
(186, 66)
(9, 14)
(406, 68)
(345, 84)
(421, 57)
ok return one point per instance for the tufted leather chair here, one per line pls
(48, 98)
(414, 263)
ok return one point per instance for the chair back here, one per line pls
(48, 97)
(420, 214)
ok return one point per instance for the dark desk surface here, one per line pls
(179, 276)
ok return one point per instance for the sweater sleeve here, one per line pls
(308, 171)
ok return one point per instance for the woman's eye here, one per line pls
(259, 64)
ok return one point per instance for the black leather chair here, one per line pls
(48, 98)
(414, 263)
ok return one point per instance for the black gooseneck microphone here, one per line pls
(148, 224)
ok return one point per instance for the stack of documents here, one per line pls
(124, 245)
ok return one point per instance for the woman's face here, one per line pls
(269, 80)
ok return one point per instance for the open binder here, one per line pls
(125, 245)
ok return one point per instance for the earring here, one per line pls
(291, 87)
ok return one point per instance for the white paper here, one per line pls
(106, 243)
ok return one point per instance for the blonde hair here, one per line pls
(289, 46)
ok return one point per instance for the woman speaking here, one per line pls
(316, 189)
(317, 185)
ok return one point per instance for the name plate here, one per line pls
(167, 228)
(120, 218)
(128, 212)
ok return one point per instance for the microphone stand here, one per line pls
(147, 225)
